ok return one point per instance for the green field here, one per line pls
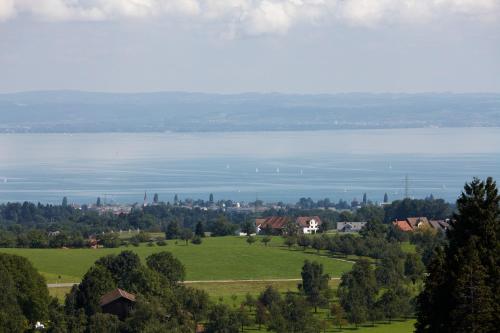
(218, 258)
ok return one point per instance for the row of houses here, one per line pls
(276, 224)
(418, 223)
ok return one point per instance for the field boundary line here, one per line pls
(65, 285)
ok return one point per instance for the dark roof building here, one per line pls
(117, 302)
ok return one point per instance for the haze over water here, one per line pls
(272, 166)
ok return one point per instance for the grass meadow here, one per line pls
(217, 258)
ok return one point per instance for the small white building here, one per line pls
(350, 226)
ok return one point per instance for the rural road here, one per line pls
(66, 285)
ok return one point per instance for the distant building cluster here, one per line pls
(417, 223)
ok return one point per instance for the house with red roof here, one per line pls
(276, 224)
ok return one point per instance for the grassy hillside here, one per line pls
(222, 258)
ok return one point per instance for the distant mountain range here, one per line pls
(74, 111)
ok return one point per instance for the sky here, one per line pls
(231, 46)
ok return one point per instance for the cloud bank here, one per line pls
(256, 17)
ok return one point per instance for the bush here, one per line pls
(196, 240)
(151, 244)
(161, 243)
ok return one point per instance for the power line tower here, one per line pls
(407, 187)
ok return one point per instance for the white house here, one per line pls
(309, 224)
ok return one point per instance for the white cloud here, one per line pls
(256, 16)
(7, 9)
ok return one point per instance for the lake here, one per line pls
(243, 166)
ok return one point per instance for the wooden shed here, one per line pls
(117, 302)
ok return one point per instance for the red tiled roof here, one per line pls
(259, 222)
(303, 221)
(114, 295)
(414, 221)
(274, 222)
(439, 224)
(403, 225)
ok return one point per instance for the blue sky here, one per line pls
(300, 46)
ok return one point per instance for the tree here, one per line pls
(11, 314)
(197, 303)
(176, 199)
(269, 297)
(318, 243)
(414, 267)
(265, 240)
(365, 199)
(303, 241)
(222, 319)
(251, 240)
(261, 315)
(167, 266)
(292, 315)
(314, 283)
(243, 318)
(211, 198)
(98, 202)
(373, 228)
(199, 230)
(24, 284)
(290, 229)
(103, 322)
(155, 198)
(173, 230)
(290, 241)
(462, 284)
(386, 198)
(222, 227)
(248, 228)
(394, 302)
(357, 291)
(186, 234)
(64, 202)
(390, 270)
(338, 315)
(197, 240)
(473, 293)
(95, 283)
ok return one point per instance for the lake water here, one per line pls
(272, 166)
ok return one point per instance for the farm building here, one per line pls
(117, 302)
(350, 226)
(416, 223)
(276, 224)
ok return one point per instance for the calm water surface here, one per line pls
(273, 166)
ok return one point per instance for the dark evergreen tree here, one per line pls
(64, 202)
(211, 198)
(248, 228)
(98, 202)
(462, 293)
(199, 230)
(173, 230)
(386, 198)
(156, 198)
